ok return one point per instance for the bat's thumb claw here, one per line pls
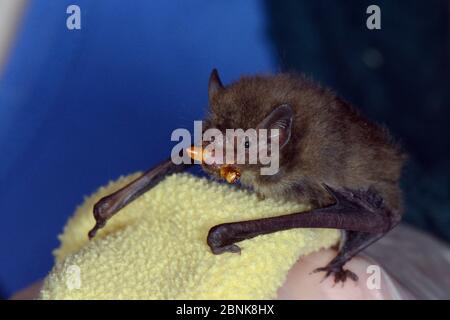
(94, 230)
(330, 190)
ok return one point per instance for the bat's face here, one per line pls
(243, 134)
(227, 155)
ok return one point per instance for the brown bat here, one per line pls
(331, 157)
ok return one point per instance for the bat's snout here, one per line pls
(230, 173)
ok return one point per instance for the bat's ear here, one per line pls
(280, 118)
(215, 85)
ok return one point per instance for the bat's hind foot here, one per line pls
(340, 274)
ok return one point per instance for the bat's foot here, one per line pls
(364, 202)
(340, 274)
(219, 240)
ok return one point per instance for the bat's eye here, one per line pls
(247, 144)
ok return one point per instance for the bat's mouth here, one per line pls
(228, 172)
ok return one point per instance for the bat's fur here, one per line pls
(330, 141)
(345, 166)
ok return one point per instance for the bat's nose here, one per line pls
(196, 153)
(229, 173)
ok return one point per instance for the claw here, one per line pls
(98, 226)
(340, 274)
(230, 248)
(339, 196)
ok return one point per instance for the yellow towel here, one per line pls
(155, 248)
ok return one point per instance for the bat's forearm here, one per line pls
(360, 211)
(106, 207)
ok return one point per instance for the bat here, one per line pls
(331, 157)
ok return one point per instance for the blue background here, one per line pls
(79, 108)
